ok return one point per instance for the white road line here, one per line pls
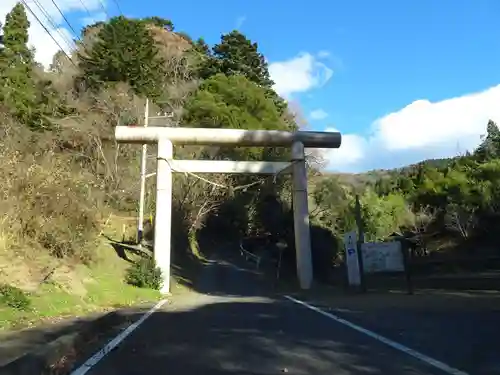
(92, 361)
(393, 344)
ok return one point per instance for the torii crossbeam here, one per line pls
(167, 137)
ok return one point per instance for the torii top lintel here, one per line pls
(228, 137)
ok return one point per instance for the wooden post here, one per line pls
(407, 264)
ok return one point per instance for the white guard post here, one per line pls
(166, 137)
(163, 216)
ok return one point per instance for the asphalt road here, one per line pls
(241, 331)
(467, 339)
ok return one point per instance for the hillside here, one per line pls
(68, 187)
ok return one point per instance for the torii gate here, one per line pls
(166, 137)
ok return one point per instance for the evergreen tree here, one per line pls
(125, 51)
(17, 86)
(235, 54)
(231, 102)
(490, 147)
(15, 36)
(234, 102)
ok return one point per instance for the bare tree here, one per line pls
(295, 114)
(422, 219)
(198, 198)
(461, 219)
(315, 159)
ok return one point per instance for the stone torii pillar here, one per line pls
(167, 137)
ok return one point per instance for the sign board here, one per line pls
(351, 251)
(382, 257)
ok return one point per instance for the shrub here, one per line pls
(14, 297)
(144, 274)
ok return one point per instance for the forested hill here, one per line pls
(372, 176)
(447, 203)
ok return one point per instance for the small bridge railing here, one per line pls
(250, 256)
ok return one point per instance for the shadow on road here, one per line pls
(226, 273)
(262, 337)
(68, 338)
(233, 325)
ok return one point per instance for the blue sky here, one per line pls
(402, 80)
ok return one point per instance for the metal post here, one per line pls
(163, 216)
(140, 224)
(301, 217)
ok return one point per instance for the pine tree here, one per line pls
(236, 54)
(17, 88)
(490, 147)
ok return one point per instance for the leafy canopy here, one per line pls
(232, 102)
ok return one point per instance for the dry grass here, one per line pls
(45, 203)
(57, 189)
(61, 189)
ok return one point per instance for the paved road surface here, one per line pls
(238, 330)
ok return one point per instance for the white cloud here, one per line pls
(350, 152)
(420, 131)
(302, 73)
(318, 114)
(38, 36)
(323, 54)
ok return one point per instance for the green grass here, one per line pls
(99, 288)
